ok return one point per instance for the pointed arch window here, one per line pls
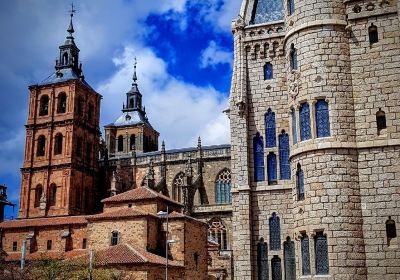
(373, 34)
(380, 121)
(321, 254)
(289, 259)
(132, 142)
(223, 187)
(44, 106)
(305, 254)
(62, 103)
(41, 146)
(294, 126)
(262, 259)
(58, 144)
(293, 58)
(271, 168)
(217, 232)
(274, 232)
(300, 182)
(268, 71)
(115, 236)
(177, 187)
(284, 164)
(290, 7)
(270, 129)
(38, 195)
(120, 143)
(258, 148)
(276, 268)
(322, 118)
(53, 195)
(305, 126)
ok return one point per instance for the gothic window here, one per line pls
(380, 121)
(58, 144)
(223, 187)
(62, 103)
(120, 143)
(290, 7)
(300, 182)
(293, 58)
(268, 71)
(15, 246)
(322, 118)
(274, 232)
(294, 128)
(391, 229)
(373, 34)
(49, 244)
(262, 259)
(114, 238)
(217, 232)
(41, 146)
(44, 106)
(321, 254)
(284, 164)
(258, 148)
(38, 195)
(305, 127)
(267, 11)
(270, 128)
(289, 259)
(53, 195)
(276, 268)
(305, 254)
(90, 112)
(177, 187)
(132, 142)
(271, 168)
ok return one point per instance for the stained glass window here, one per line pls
(177, 185)
(289, 259)
(258, 147)
(305, 127)
(294, 128)
(270, 129)
(290, 7)
(321, 254)
(274, 232)
(300, 182)
(322, 118)
(223, 187)
(217, 233)
(267, 11)
(305, 255)
(276, 269)
(262, 259)
(284, 164)
(268, 71)
(271, 168)
(293, 58)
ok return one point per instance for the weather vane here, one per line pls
(72, 11)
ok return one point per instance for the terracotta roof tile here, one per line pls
(125, 254)
(141, 193)
(16, 256)
(177, 215)
(37, 222)
(121, 213)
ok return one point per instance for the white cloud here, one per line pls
(180, 111)
(214, 55)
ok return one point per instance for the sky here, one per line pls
(184, 50)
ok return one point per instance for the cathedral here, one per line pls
(309, 187)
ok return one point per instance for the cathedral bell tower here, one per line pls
(60, 166)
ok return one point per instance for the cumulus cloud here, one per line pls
(214, 55)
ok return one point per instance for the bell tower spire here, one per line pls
(134, 97)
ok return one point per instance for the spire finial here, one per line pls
(70, 29)
(134, 73)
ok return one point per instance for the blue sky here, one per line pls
(184, 51)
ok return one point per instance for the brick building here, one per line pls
(316, 140)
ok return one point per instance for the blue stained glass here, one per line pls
(305, 255)
(267, 11)
(271, 168)
(276, 269)
(322, 118)
(274, 232)
(262, 259)
(294, 128)
(258, 147)
(270, 129)
(305, 127)
(268, 71)
(284, 163)
(223, 193)
(289, 259)
(321, 254)
(300, 182)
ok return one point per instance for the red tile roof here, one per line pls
(16, 256)
(39, 222)
(125, 254)
(141, 193)
(176, 215)
(118, 214)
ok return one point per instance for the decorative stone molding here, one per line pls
(294, 84)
